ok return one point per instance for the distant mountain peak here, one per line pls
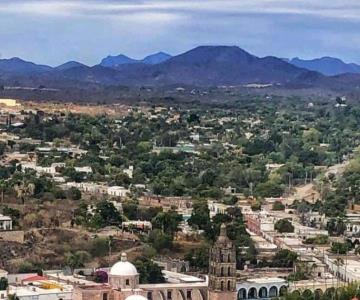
(156, 58)
(114, 61)
(69, 65)
(17, 65)
(121, 59)
(326, 65)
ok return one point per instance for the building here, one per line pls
(222, 268)
(118, 191)
(172, 264)
(261, 288)
(217, 208)
(345, 268)
(129, 171)
(304, 232)
(34, 287)
(5, 223)
(136, 225)
(259, 222)
(9, 102)
(124, 285)
(179, 203)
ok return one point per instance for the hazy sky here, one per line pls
(54, 31)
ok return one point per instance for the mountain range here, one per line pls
(329, 66)
(115, 61)
(201, 66)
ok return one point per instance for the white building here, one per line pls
(117, 191)
(347, 269)
(217, 208)
(34, 292)
(304, 232)
(5, 223)
(129, 171)
(87, 170)
(261, 288)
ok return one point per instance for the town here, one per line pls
(253, 200)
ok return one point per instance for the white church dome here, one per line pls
(123, 268)
(136, 297)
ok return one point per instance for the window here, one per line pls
(229, 285)
(229, 271)
(105, 296)
(229, 258)
(169, 295)
(188, 295)
(222, 285)
(127, 282)
(222, 272)
(149, 295)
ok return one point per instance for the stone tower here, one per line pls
(222, 268)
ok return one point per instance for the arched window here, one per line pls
(229, 258)
(222, 285)
(229, 271)
(229, 285)
(222, 271)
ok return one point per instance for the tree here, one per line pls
(340, 248)
(77, 259)
(160, 240)
(150, 273)
(3, 186)
(105, 215)
(3, 284)
(167, 221)
(284, 259)
(99, 247)
(284, 225)
(200, 216)
(74, 193)
(199, 258)
(278, 206)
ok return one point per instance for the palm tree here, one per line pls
(24, 190)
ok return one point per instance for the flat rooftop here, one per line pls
(265, 280)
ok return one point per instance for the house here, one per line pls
(9, 102)
(87, 170)
(117, 191)
(5, 223)
(129, 171)
(217, 208)
(137, 225)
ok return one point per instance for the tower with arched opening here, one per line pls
(222, 268)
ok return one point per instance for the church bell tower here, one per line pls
(222, 268)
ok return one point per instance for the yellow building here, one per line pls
(9, 102)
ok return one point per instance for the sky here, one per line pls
(53, 31)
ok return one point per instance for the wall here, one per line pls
(12, 236)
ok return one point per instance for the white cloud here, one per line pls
(340, 9)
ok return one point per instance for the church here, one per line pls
(124, 280)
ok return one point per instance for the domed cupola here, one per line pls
(123, 274)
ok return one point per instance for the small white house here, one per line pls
(5, 223)
(118, 191)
